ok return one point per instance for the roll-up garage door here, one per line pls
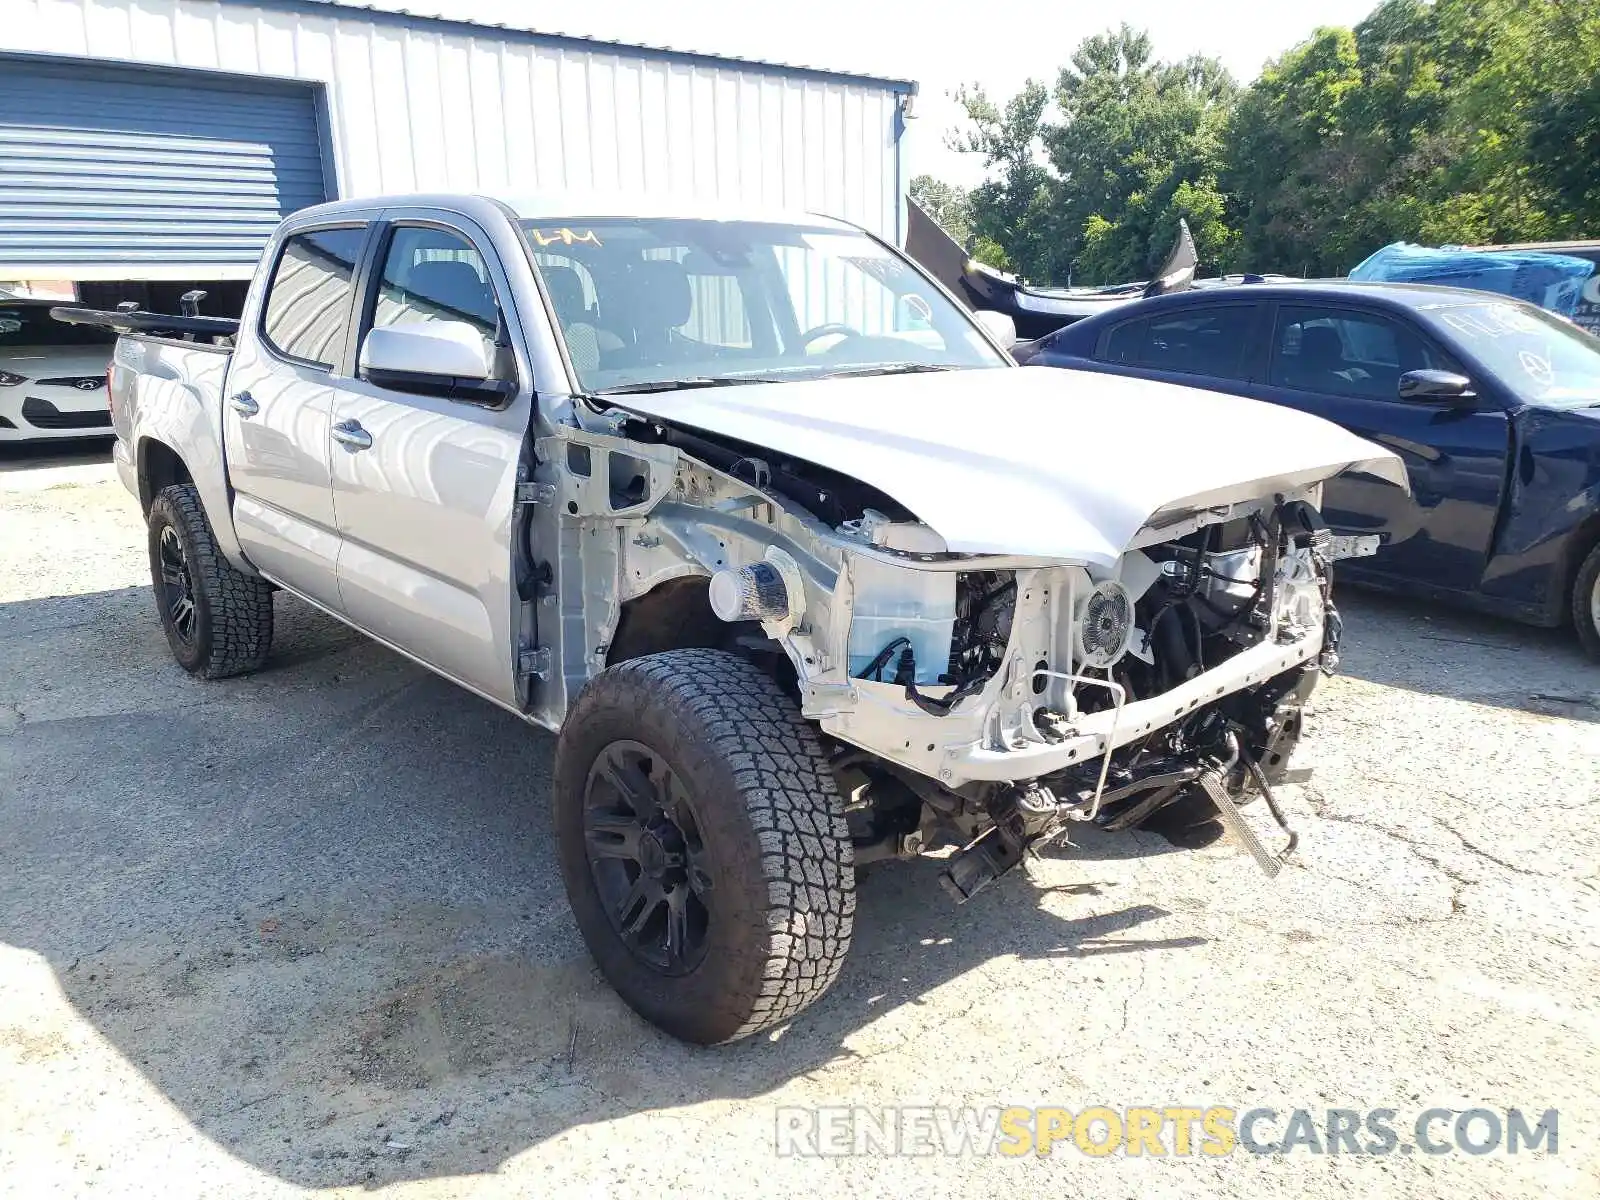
(113, 172)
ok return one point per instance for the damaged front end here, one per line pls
(988, 701)
(1076, 694)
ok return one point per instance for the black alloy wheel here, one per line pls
(217, 619)
(177, 585)
(703, 843)
(647, 856)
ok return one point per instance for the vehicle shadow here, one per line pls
(318, 908)
(1423, 647)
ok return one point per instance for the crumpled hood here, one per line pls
(1034, 461)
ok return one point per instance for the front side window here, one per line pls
(1342, 352)
(435, 275)
(645, 301)
(308, 298)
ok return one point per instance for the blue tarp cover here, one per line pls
(1552, 281)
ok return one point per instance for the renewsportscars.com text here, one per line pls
(1161, 1130)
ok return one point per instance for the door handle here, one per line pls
(350, 435)
(244, 404)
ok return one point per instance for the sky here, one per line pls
(939, 43)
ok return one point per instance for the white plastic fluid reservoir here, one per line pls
(893, 601)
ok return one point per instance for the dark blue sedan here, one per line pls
(1493, 404)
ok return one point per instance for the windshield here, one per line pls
(1540, 357)
(645, 301)
(32, 325)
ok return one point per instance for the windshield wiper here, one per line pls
(646, 386)
(688, 382)
(894, 368)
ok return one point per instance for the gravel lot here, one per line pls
(304, 930)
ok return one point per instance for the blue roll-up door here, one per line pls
(113, 172)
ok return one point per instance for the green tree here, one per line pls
(1458, 121)
(1138, 145)
(1521, 69)
(1290, 157)
(1088, 181)
(1564, 155)
(1011, 209)
(1432, 120)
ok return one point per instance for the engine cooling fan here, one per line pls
(1104, 625)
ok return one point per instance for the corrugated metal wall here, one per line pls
(414, 104)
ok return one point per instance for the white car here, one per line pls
(52, 375)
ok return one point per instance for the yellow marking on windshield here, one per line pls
(565, 236)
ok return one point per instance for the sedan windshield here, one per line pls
(1540, 357)
(648, 304)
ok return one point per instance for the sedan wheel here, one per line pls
(1586, 603)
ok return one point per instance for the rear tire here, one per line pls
(692, 796)
(1586, 604)
(217, 619)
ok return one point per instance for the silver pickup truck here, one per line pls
(803, 569)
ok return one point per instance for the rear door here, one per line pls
(278, 406)
(1344, 364)
(424, 485)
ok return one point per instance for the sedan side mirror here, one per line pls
(435, 358)
(998, 326)
(1430, 384)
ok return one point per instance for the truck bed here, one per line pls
(167, 382)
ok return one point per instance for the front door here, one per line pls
(1344, 364)
(278, 407)
(424, 485)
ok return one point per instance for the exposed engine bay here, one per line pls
(988, 700)
(1175, 611)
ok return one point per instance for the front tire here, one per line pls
(218, 620)
(703, 844)
(1586, 603)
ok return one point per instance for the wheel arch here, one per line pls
(158, 466)
(674, 615)
(1584, 539)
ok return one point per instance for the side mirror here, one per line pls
(998, 326)
(1431, 384)
(436, 358)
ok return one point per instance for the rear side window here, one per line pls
(1201, 341)
(1125, 343)
(308, 298)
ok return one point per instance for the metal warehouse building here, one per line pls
(163, 139)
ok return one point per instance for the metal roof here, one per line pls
(576, 206)
(459, 25)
